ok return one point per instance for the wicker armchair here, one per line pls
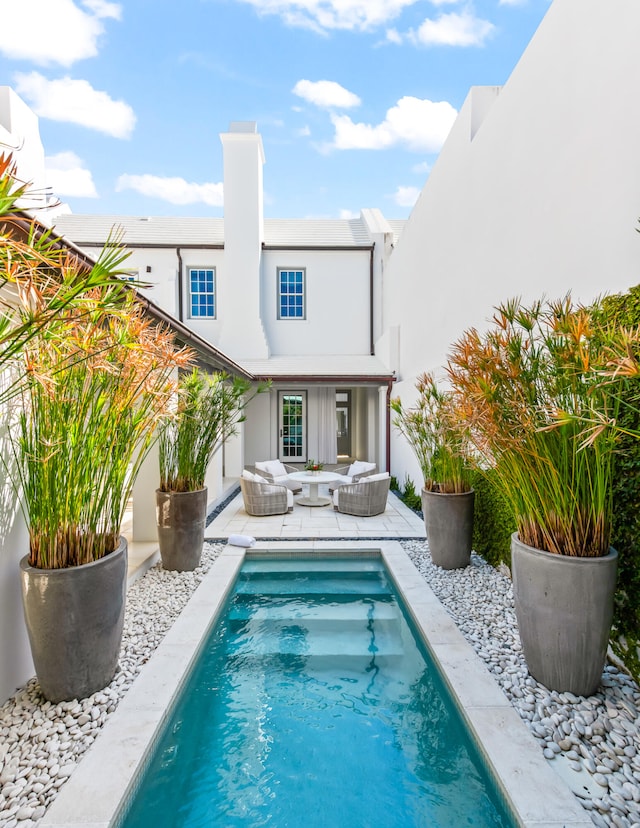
(367, 498)
(276, 472)
(351, 474)
(265, 498)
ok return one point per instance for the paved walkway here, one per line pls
(306, 522)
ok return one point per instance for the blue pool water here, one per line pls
(314, 706)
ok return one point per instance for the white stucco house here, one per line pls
(295, 301)
(536, 191)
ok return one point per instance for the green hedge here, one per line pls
(493, 521)
(624, 309)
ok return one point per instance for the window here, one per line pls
(202, 289)
(291, 303)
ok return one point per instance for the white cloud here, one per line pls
(420, 125)
(174, 190)
(406, 196)
(326, 94)
(67, 176)
(453, 29)
(324, 15)
(76, 102)
(103, 8)
(512, 2)
(53, 31)
(394, 36)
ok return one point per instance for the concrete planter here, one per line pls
(75, 618)
(181, 518)
(448, 522)
(564, 607)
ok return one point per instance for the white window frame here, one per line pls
(303, 271)
(192, 294)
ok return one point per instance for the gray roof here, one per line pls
(157, 231)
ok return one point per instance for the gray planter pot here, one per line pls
(564, 607)
(74, 619)
(181, 518)
(448, 522)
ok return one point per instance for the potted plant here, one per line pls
(313, 466)
(208, 410)
(93, 379)
(440, 446)
(539, 408)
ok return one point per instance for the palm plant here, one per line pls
(539, 407)
(436, 437)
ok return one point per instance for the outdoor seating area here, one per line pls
(394, 521)
(270, 489)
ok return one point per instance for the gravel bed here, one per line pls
(595, 738)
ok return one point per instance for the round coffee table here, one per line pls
(313, 480)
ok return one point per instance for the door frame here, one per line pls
(284, 428)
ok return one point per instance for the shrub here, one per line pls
(493, 522)
(623, 310)
(410, 496)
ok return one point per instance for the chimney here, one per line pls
(242, 333)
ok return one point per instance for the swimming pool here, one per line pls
(107, 778)
(314, 703)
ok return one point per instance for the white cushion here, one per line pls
(359, 466)
(335, 497)
(373, 477)
(241, 540)
(255, 478)
(289, 498)
(274, 467)
(340, 479)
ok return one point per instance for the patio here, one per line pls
(305, 522)
(397, 521)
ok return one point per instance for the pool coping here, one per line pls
(104, 777)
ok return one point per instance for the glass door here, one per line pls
(343, 424)
(292, 416)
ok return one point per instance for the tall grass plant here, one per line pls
(534, 392)
(97, 385)
(436, 436)
(209, 409)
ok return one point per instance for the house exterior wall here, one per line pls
(337, 302)
(20, 135)
(337, 296)
(536, 191)
(16, 665)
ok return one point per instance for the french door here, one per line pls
(292, 432)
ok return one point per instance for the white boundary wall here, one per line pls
(536, 191)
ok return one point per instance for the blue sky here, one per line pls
(353, 98)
